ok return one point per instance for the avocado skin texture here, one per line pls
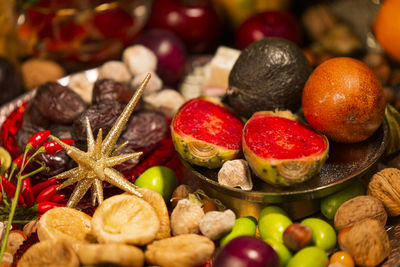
(269, 74)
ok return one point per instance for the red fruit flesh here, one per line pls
(281, 138)
(206, 121)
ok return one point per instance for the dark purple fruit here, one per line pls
(101, 115)
(128, 165)
(110, 90)
(170, 52)
(58, 103)
(62, 131)
(10, 81)
(246, 251)
(56, 163)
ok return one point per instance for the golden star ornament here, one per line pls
(95, 165)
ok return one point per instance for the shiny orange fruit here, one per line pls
(387, 28)
(344, 100)
(343, 258)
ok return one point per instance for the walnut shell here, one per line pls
(367, 242)
(358, 209)
(385, 186)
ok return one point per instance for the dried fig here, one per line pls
(180, 251)
(385, 186)
(367, 242)
(358, 209)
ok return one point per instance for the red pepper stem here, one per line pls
(42, 168)
(13, 168)
(11, 216)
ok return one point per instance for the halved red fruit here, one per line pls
(281, 150)
(206, 133)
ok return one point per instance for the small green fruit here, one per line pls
(271, 209)
(331, 203)
(243, 226)
(272, 226)
(324, 236)
(159, 178)
(309, 257)
(283, 252)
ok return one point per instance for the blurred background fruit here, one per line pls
(170, 52)
(195, 22)
(80, 32)
(268, 24)
(387, 28)
(237, 11)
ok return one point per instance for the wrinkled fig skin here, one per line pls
(32, 118)
(268, 74)
(101, 115)
(110, 90)
(58, 103)
(10, 81)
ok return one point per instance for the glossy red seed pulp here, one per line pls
(209, 122)
(281, 138)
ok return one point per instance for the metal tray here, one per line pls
(345, 163)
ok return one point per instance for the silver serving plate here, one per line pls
(9, 107)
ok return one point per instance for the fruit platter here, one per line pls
(273, 151)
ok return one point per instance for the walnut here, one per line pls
(367, 242)
(358, 209)
(385, 186)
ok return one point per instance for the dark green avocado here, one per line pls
(269, 74)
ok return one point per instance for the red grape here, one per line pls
(246, 251)
(170, 52)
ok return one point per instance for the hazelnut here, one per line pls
(297, 236)
(385, 186)
(179, 193)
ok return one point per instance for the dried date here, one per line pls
(62, 131)
(34, 119)
(110, 90)
(58, 103)
(144, 130)
(101, 115)
(127, 166)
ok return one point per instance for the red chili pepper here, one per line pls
(27, 192)
(47, 205)
(9, 189)
(37, 188)
(38, 139)
(57, 198)
(17, 162)
(47, 193)
(52, 147)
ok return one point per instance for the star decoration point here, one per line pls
(96, 165)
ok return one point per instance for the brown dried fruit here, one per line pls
(180, 251)
(110, 254)
(156, 200)
(185, 218)
(358, 209)
(385, 186)
(15, 240)
(51, 254)
(367, 242)
(215, 223)
(297, 236)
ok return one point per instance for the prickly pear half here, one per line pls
(206, 133)
(281, 150)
